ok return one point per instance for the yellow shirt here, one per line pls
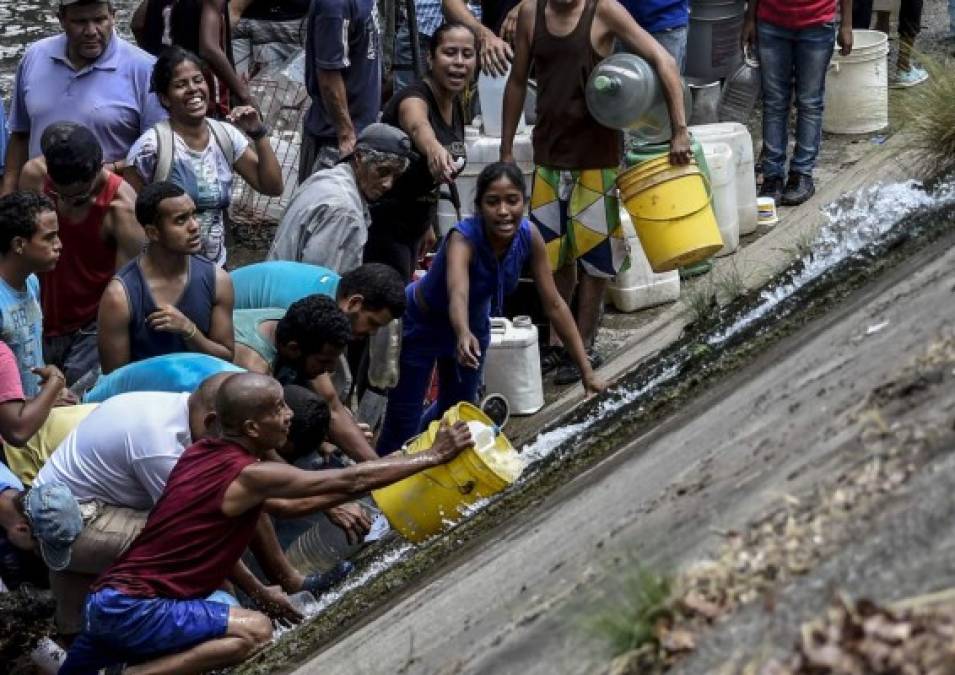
(27, 461)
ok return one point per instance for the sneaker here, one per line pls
(772, 187)
(319, 582)
(908, 78)
(551, 357)
(567, 372)
(799, 188)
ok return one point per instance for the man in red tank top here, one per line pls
(573, 201)
(150, 604)
(99, 232)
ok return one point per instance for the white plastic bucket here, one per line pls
(857, 86)
(722, 166)
(481, 151)
(638, 286)
(491, 95)
(736, 136)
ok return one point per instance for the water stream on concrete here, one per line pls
(855, 224)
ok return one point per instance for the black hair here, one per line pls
(167, 62)
(313, 322)
(310, 419)
(447, 27)
(80, 3)
(493, 172)
(147, 202)
(380, 286)
(72, 153)
(19, 213)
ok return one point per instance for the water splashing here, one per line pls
(852, 224)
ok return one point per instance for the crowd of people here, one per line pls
(163, 414)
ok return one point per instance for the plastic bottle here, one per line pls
(321, 547)
(384, 350)
(740, 92)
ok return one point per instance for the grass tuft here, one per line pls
(626, 620)
(699, 300)
(929, 115)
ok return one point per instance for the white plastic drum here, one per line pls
(857, 86)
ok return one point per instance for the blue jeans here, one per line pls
(793, 59)
(456, 383)
(673, 40)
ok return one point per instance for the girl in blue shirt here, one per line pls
(448, 316)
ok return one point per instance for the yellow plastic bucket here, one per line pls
(672, 212)
(422, 505)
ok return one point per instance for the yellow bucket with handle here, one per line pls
(672, 212)
(424, 504)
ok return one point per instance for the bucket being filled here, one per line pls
(672, 212)
(424, 504)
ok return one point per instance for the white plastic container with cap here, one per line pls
(737, 136)
(512, 367)
(481, 151)
(638, 286)
(719, 160)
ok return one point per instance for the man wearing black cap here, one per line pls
(327, 219)
(99, 232)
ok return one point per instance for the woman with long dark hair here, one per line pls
(447, 321)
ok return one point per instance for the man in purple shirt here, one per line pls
(88, 75)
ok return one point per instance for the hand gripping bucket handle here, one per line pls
(676, 172)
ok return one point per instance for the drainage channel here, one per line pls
(866, 235)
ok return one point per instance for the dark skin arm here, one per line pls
(343, 430)
(113, 327)
(121, 226)
(17, 148)
(516, 88)
(258, 164)
(220, 342)
(264, 480)
(19, 420)
(332, 87)
(210, 49)
(559, 313)
(270, 599)
(459, 286)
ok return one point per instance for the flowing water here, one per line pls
(26, 21)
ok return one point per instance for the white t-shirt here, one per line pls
(123, 451)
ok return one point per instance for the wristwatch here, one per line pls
(261, 132)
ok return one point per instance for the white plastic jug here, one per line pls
(737, 136)
(512, 367)
(491, 95)
(481, 151)
(638, 286)
(719, 160)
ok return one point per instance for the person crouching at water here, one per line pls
(168, 299)
(147, 607)
(449, 309)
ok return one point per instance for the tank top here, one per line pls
(489, 277)
(71, 291)
(188, 546)
(246, 322)
(196, 302)
(566, 135)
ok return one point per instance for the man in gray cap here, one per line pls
(47, 517)
(327, 219)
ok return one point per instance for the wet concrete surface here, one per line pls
(780, 426)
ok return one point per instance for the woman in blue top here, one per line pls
(449, 309)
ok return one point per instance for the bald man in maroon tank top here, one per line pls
(573, 201)
(150, 605)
